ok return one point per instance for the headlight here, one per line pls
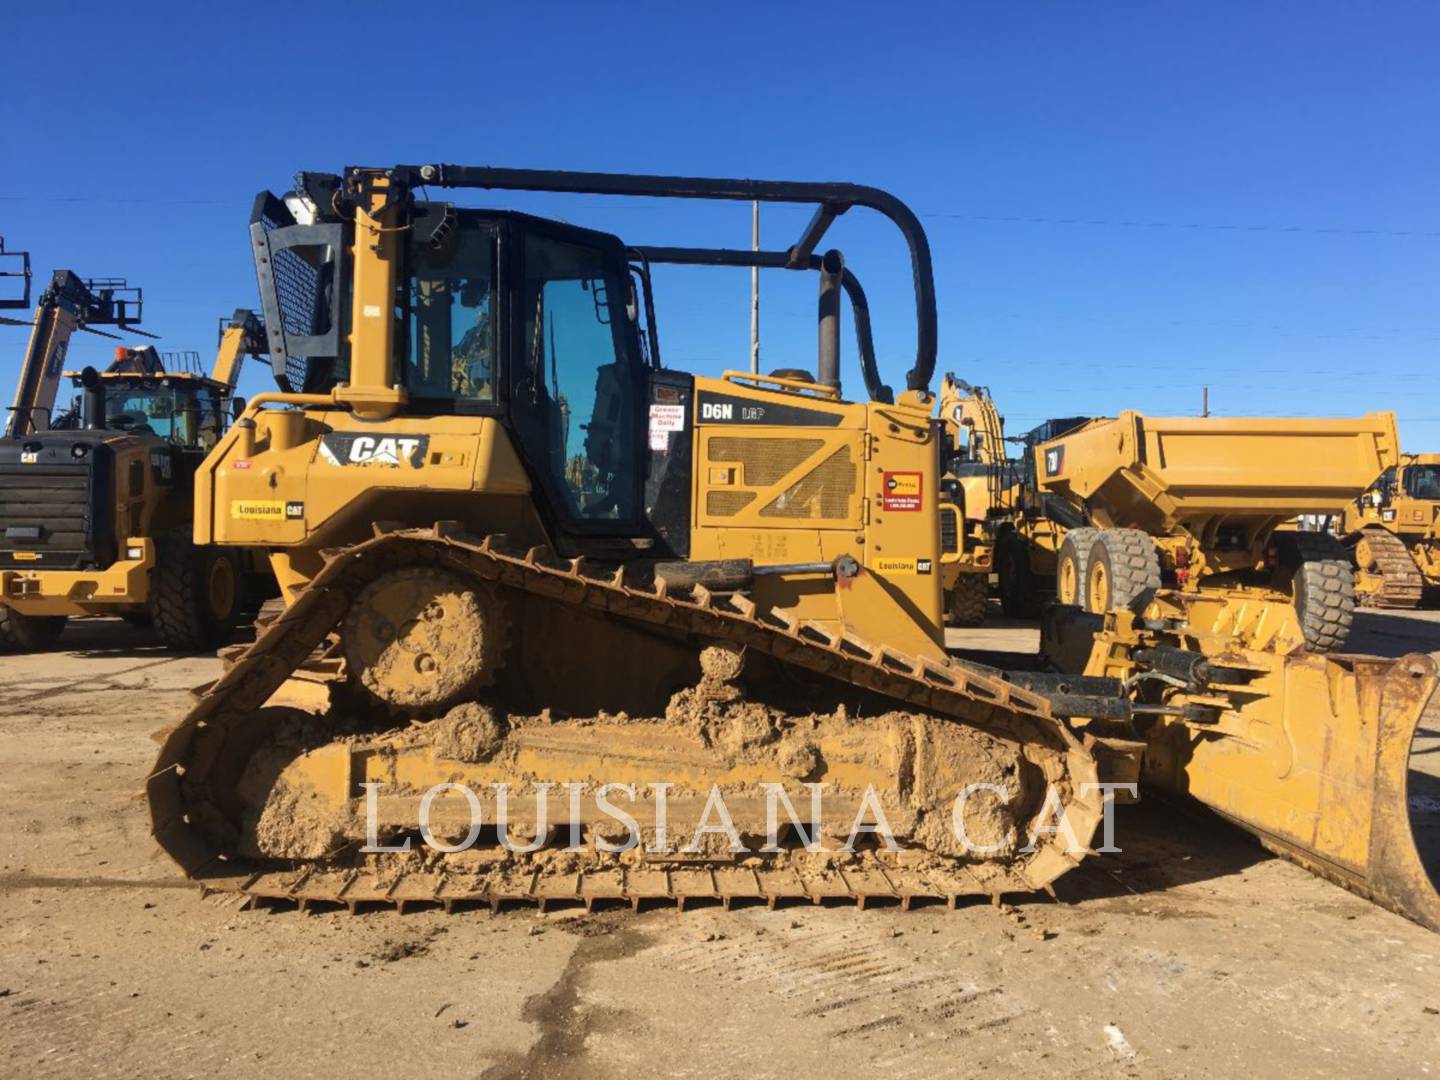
(79, 450)
(134, 552)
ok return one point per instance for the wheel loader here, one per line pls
(1393, 532)
(529, 567)
(95, 503)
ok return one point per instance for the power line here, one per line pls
(1319, 230)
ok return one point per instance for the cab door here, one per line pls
(576, 382)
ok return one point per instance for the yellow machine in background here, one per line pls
(518, 550)
(1117, 508)
(95, 504)
(976, 470)
(1393, 530)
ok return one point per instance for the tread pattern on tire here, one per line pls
(969, 600)
(178, 602)
(28, 633)
(1133, 562)
(1324, 586)
(1080, 542)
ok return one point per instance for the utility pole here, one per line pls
(1205, 401)
(755, 290)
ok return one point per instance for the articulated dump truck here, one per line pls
(1205, 507)
(529, 569)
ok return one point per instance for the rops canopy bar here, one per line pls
(830, 199)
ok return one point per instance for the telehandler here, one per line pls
(523, 561)
(1393, 532)
(95, 503)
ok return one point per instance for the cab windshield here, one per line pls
(188, 416)
(1423, 481)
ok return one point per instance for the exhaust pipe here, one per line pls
(832, 270)
(92, 404)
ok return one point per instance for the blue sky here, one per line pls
(1125, 201)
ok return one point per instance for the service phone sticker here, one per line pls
(902, 491)
(663, 420)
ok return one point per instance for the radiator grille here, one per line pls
(764, 461)
(949, 530)
(824, 492)
(727, 503)
(47, 510)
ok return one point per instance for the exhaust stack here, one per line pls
(92, 404)
(832, 270)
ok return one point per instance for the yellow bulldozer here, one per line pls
(1393, 531)
(573, 626)
(96, 502)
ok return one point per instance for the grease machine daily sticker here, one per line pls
(663, 420)
(902, 491)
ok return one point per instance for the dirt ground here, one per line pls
(1193, 953)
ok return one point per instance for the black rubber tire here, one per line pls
(968, 600)
(1074, 558)
(1019, 595)
(1323, 583)
(180, 601)
(1131, 564)
(28, 633)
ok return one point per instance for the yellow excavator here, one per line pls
(529, 568)
(96, 502)
(1393, 531)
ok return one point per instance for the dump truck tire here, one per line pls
(1072, 566)
(1324, 585)
(196, 602)
(1019, 596)
(28, 633)
(969, 599)
(1124, 566)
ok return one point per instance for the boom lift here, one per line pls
(517, 550)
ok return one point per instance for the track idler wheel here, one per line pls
(422, 638)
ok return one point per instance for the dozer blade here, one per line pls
(270, 802)
(1333, 762)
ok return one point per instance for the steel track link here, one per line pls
(1401, 585)
(186, 799)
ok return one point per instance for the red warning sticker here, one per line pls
(903, 491)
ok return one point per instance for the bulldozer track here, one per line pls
(1401, 585)
(182, 792)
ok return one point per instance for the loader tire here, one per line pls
(1072, 566)
(1019, 593)
(1124, 567)
(28, 633)
(1324, 588)
(196, 601)
(968, 600)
